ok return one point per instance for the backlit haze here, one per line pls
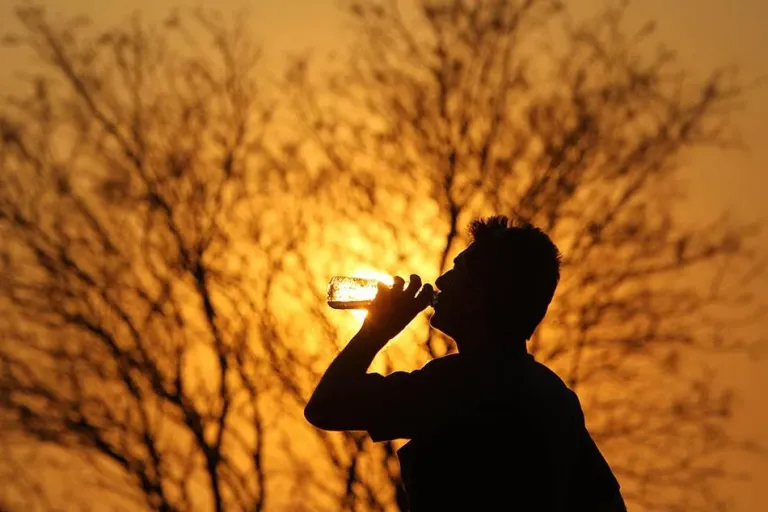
(705, 33)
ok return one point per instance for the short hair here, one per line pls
(519, 266)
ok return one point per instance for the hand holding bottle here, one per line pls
(395, 307)
(345, 292)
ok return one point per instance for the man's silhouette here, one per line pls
(490, 428)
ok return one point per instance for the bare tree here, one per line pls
(449, 109)
(167, 231)
(158, 225)
(146, 218)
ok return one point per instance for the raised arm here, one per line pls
(343, 398)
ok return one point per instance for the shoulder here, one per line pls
(556, 387)
(546, 375)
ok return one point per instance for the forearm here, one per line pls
(337, 398)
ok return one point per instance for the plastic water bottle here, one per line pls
(355, 292)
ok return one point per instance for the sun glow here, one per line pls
(369, 273)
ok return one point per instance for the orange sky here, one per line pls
(706, 33)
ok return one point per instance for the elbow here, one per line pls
(316, 415)
(334, 409)
(329, 413)
(311, 414)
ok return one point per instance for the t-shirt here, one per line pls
(491, 431)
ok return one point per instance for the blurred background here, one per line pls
(178, 183)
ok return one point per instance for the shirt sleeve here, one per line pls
(404, 404)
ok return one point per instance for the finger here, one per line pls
(414, 284)
(424, 297)
(398, 284)
(383, 289)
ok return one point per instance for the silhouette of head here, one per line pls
(500, 286)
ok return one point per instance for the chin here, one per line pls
(437, 322)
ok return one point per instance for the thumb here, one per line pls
(424, 297)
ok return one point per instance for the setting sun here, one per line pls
(369, 273)
(199, 205)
